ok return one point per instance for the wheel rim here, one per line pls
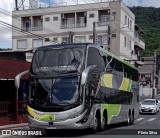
(95, 123)
(129, 119)
(103, 122)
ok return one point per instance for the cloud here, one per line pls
(8, 5)
(144, 3)
(5, 34)
(6, 8)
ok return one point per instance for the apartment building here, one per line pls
(115, 27)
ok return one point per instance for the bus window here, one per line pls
(94, 58)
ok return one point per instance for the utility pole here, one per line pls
(94, 32)
(154, 75)
(16, 4)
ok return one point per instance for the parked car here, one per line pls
(149, 106)
(159, 103)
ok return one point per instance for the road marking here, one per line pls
(151, 119)
(139, 119)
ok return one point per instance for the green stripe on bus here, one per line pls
(130, 85)
(112, 110)
(116, 57)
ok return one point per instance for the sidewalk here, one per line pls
(13, 126)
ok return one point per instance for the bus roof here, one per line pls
(87, 44)
(64, 44)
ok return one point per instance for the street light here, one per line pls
(154, 76)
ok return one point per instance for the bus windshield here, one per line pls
(58, 59)
(59, 91)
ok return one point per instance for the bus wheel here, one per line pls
(94, 128)
(132, 121)
(129, 121)
(104, 121)
(97, 123)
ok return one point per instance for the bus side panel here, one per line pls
(118, 94)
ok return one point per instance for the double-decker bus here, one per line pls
(78, 86)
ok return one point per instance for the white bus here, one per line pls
(78, 86)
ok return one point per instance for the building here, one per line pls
(149, 76)
(109, 23)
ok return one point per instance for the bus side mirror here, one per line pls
(18, 77)
(85, 74)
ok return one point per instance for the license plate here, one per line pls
(51, 127)
(146, 110)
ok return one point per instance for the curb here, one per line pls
(13, 126)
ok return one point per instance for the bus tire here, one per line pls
(129, 121)
(104, 120)
(97, 123)
(132, 121)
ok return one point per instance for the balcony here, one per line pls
(39, 28)
(104, 17)
(28, 29)
(81, 25)
(139, 43)
(67, 26)
(104, 23)
(32, 23)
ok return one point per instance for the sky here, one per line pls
(7, 6)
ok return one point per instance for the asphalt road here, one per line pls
(147, 125)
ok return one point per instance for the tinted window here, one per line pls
(94, 58)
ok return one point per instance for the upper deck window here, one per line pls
(58, 59)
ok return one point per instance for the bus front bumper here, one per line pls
(66, 124)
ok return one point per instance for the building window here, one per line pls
(91, 37)
(113, 15)
(22, 44)
(37, 23)
(125, 20)
(91, 15)
(131, 24)
(55, 40)
(113, 35)
(125, 42)
(103, 39)
(130, 44)
(47, 39)
(68, 23)
(80, 39)
(128, 23)
(47, 19)
(37, 43)
(65, 39)
(55, 18)
(81, 22)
